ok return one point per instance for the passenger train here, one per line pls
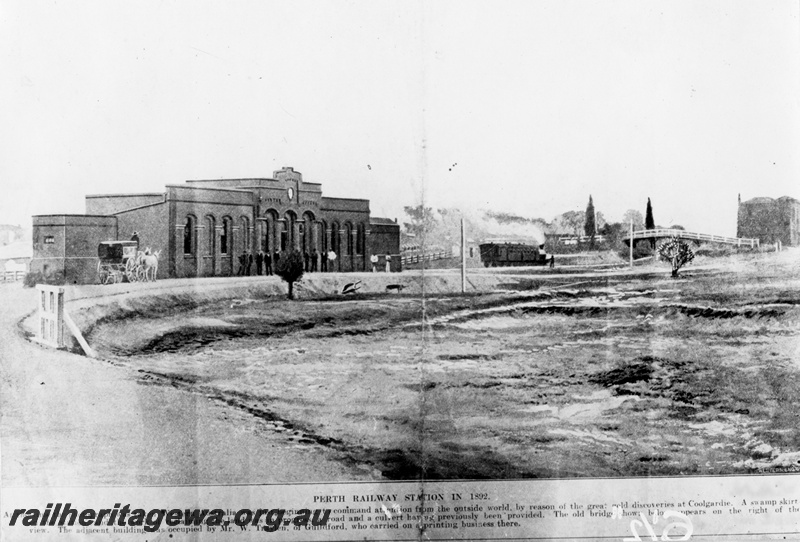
(512, 254)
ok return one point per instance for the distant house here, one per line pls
(15, 249)
(10, 234)
(770, 220)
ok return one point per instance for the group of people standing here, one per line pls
(264, 263)
(267, 264)
(374, 261)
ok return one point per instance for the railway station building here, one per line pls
(202, 227)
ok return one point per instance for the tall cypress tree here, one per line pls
(649, 223)
(589, 226)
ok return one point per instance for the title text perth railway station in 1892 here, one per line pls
(391, 498)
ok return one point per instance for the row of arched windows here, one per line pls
(226, 238)
(312, 235)
(346, 231)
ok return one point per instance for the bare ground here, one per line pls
(614, 376)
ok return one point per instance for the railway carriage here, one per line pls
(512, 254)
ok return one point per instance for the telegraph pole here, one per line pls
(630, 243)
(463, 259)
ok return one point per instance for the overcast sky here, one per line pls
(525, 107)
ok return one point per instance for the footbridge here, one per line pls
(661, 233)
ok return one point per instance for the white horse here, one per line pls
(150, 263)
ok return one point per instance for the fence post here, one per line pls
(51, 315)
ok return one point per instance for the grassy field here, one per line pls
(614, 377)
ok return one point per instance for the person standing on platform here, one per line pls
(331, 260)
(267, 264)
(259, 262)
(242, 264)
(323, 263)
(276, 260)
(306, 261)
(314, 258)
(249, 263)
(388, 263)
(374, 261)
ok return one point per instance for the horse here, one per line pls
(150, 263)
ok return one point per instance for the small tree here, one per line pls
(572, 221)
(677, 253)
(589, 224)
(632, 215)
(599, 220)
(423, 220)
(290, 269)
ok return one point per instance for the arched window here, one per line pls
(188, 235)
(225, 235)
(335, 238)
(307, 237)
(360, 239)
(245, 222)
(348, 238)
(271, 241)
(210, 234)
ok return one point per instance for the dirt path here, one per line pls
(71, 420)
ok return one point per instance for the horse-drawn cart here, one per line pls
(118, 262)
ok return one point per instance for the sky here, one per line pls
(523, 107)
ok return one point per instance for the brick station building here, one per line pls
(202, 227)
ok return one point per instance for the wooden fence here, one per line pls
(11, 276)
(429, 257)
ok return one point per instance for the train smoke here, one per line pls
(502, 227)
(482, 226)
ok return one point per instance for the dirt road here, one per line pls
(70, 420)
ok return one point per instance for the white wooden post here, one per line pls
(51, 315)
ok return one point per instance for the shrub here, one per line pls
(641, 249)
(677, 253)
(32, 278)
(290, 269)
(713, 250)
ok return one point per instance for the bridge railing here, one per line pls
(683, 234)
